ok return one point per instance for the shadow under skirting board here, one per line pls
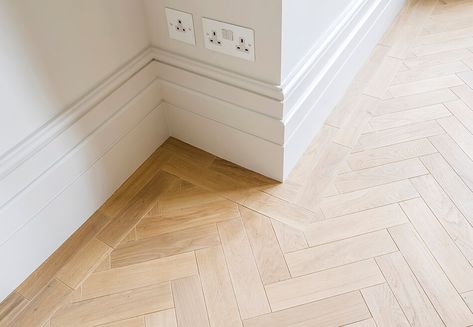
(53, 185)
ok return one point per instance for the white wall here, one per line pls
(264, 16)
(305, 23)
(55, 51)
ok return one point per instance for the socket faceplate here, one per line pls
(229, 39)
(180, 26)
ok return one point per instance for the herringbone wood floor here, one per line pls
(373, 227)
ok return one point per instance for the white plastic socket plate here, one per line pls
(229, 39)
(180, 26)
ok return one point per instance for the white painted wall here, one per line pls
(264, 16)
(305, 23)
(55, 51)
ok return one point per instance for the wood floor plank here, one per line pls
(85, 260)
(40, 309)
(468, 297)
(464, 93)
(452, 184)
(320, 177)
(425, 85)
(115, 307)
(290, 239)
(414, 101)
(218, 292)
(11, 307)
(285, 212)
(454, 264)
(458, 132)
(165, 245)
(323, 284)
(121, 225)
(331, 312)
(431, 71)
(165, 318)
(407, 117)
(457, 159)
(462, 112)
(427, 49)
(447, 213)
(398, 135)
(355, 224)
(375, 176)
(382, 77)
(408, 292)
(368, 198)
(189, 302)
(438, 58)
(364, 323)
(181, 219)
(339, 253)
(384, 307)
(48, 269)
(133, 322)
(139, 275)
(246, 281)
(438, 288)
(467, 77)
(266, 250)
(389, 154)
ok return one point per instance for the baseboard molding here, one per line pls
(70, 165)
(48, 196)
(328, 78)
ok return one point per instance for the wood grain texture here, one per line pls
(189, 302)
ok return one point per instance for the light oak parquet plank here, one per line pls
(447, 213)
(368, 198)
(451, 44)
(181, 219)
(384, 307)
(458, 132)
(85, 260)
(468, 297)
(323, 284)
(165, 245)
(398, 135)
(438, 288)
(217, 287)
(389, 154)
(340, 253)
(438, 58)
(364, 323)
(11, 307)
(414, 101)
(189, 302)
(355, 224)
(133, 322)
(139, 275)
(454, 264)
(375, 176)
(115, 307)
(121, 225)
(46, 272)
(462, 112)
(382, 77)
(451, 183)
(266, 250)
(407, 117)
(456, 158)
(408, 292)
(246, 281)
(290, 239)
(40, 309)
(425, 85)
(165, 318)
(330, 312)
(431, 71)
(465, 94)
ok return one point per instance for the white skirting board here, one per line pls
(54, 181)
(92, 158)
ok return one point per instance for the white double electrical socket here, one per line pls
(180, 26)
(229, 39)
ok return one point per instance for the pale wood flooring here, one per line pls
(374, 227)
